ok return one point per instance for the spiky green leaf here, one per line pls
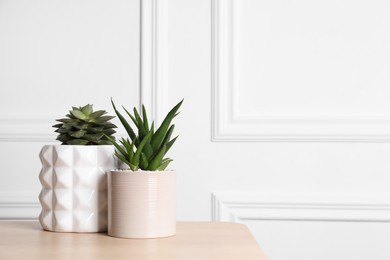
(131, 117)
(128, 128)
(144, 162)
(167, 137)
(170, 143)
(164, 164)
(156, 162)
(140, 147)
(162, 130)
(145, 118)
(117, 146)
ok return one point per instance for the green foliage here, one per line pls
(145, 149)
(83, 126)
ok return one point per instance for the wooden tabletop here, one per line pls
(194, 240)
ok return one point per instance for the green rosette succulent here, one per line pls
(83, 126)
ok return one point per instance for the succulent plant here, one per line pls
(146, 149)
(83, 126)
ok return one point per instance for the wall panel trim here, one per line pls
(229, 125)
(26, 129)
(19, 205)
(154, 56)
(259, 206)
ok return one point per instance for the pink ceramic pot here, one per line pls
(141, 204)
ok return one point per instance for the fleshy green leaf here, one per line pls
(103, 142)
(96, 129)
(103, 119)
(97, 114)
(78, 125)
(144, 162)
(170, 143)
(78, 134)
(77, 142)
(109, 131)
(132, 167)
(78, 114)
(168, 135)
(131, 156)
(131, 116)
(161, 131)
(128, 147)
(140, 147)
(87, 109)
(94, 137)
(140, 123)
(109, 125)
(156, 162)
(145, 119)
(63, 138)
(65, 120)
(164, 164)
(128, 128)
(117, 146)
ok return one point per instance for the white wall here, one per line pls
(54, 55)
(285, 125)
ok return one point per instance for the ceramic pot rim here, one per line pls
(128, 171)
(86, 146)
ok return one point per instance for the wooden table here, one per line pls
(194, 240)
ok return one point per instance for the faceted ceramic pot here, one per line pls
(141, 204)
(74, 187)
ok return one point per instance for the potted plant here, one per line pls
(74, 183)
(142, 198)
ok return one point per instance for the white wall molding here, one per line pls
(153, 56)
(241, 206)
(231, 124)
(26, 129)
(148, 57)
(19, 205)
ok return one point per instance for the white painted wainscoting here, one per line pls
(310, 226)
(241, 206)
(285, 112)
(55, 55)
(286, 71)
(285, 125)
(19, 205)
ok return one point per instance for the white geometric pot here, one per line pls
(141, 204)
(74, 187)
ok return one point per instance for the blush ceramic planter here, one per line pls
(141, 204)
(74, 187)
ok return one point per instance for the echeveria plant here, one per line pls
(83, 126)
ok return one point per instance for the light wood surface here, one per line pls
(194, 240)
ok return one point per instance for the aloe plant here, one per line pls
(145, 149)
(83, 126)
